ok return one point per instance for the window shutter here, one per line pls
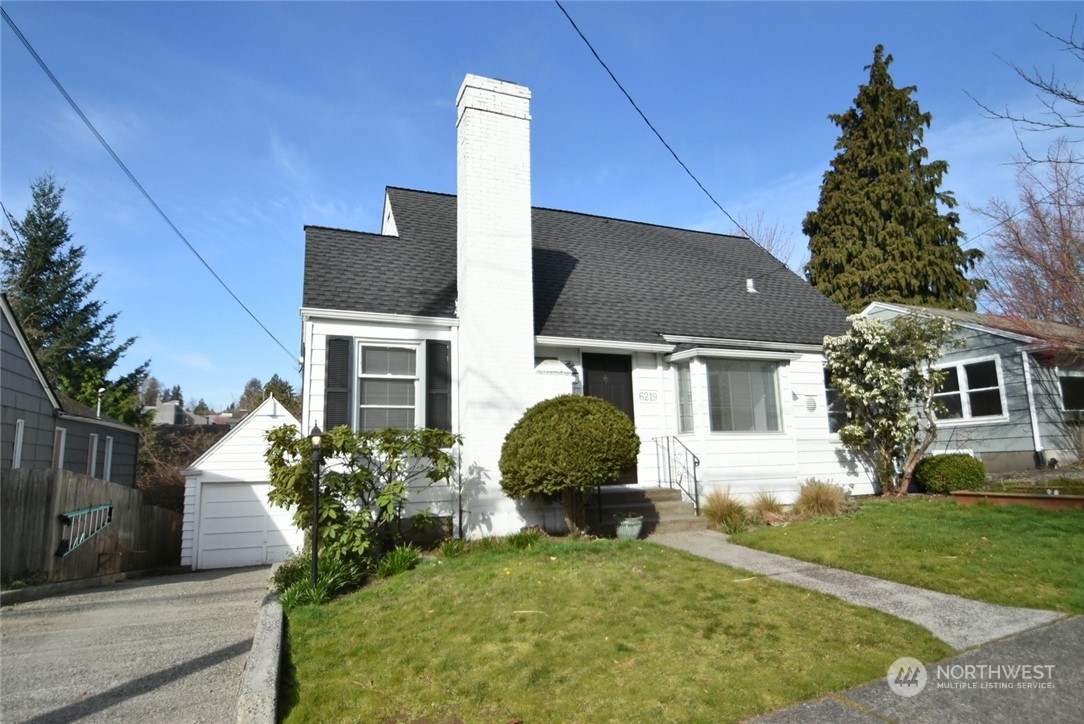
(438, 385)
(339, 375)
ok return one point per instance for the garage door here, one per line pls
(238, 527)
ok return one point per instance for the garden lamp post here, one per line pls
(316, 436)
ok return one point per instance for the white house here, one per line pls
(465, 310)
(228, 521)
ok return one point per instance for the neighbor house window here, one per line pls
(375, 386)
(684, 397)
(92, 454)
(17, 447)
(1072, 388)
(970, 390)
(743, 395)
(60, 441)
(107, 464)
(837, 408)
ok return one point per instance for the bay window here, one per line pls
(743, 395)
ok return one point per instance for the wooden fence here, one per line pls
(32, 527)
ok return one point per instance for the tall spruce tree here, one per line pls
(41, 272)
(879, 231)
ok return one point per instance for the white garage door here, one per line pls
(238, 527)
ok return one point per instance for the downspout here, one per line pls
(457, 377)
(1036, 437)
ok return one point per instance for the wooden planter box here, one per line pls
(1035, 500)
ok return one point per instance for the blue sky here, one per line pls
(245, 121)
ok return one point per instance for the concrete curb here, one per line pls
(258, 699)
(48, 590)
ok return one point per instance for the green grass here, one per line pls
(581, 631)
(1009, 555)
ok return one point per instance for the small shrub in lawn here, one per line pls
(816, 498)
(333, 576)
(296, 568)
(399, 560)
(941, 474)
(453, 547)
(524, 539)
(766, 508)
(726, 512)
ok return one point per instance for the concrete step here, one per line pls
(663, 510)
(622, 493)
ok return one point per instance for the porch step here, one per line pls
(663, 510)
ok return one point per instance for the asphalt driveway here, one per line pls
(170, 648)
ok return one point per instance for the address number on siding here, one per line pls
(648, 396)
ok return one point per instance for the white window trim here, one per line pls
(965, 402)
(779, 363)
(92, 454)
(418, 348)
(107, 464)
(17, 445)
(60, 443)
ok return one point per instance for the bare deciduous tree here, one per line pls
(770, 236)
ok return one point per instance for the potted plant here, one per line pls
(629, 525)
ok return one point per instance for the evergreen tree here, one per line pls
(878, 232)
(72, 339)
(284, 393)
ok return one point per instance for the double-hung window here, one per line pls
(377, 385)
(743, 395)
(1071, 382)
(387, 387)
(970, 390)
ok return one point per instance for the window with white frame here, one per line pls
(107, 463)
(17, 445)
(92, 454)
(684, 397)
(970, 390)
(1071, 382)
(837, 408)
(743, 395)
(387, 387)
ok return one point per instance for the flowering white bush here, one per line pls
(884, 376)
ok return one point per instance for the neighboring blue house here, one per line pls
(465, 310)
(1015, 399)
(41, 428)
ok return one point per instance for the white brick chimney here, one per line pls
(495, 304)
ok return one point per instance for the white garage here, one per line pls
(228, 521)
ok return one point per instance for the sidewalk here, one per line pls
(959, 622)
(974, 686)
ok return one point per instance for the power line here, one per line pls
(135, 181)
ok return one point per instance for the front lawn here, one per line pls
(581, 631)
(1009, 555)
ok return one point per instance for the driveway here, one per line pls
(170, 648)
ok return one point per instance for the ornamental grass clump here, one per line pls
(726, 512)
(818, 498)
(766, 508)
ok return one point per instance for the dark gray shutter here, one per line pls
(438, 385)
(340, 374)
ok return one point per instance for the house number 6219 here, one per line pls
(648, 396)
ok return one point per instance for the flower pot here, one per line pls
(629, 528)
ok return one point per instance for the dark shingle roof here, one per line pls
(594, 277)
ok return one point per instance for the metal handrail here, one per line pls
(82, 525)
(672, 463)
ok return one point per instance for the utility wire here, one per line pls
(135, 181)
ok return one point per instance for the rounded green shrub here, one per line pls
(564, 446)
(941, 474)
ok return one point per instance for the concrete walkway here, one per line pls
(169, 648)
(960, 622)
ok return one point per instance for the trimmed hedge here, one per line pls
(941, 474)
(567, 442)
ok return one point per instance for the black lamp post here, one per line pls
(317, 458)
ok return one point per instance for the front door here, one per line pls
(609, 376)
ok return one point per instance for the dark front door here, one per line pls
(609, 376)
